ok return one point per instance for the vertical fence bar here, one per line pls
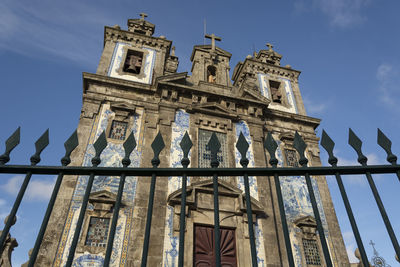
(214, 146)
(129, 145)
(80, 220)
(182, 224)
(242, 145)
(356, 143)
(45, 221)
(114, 221)
(384, 215)
(283, 219)
(319, 222)
(328, 144)
(148, 221)
(40, 144)
(217, 234)
(352, 220)
(99, 146)
(70, 145)
(186, 144)
(250, 220)
(300, 146)
(14, 210)
(271, 145)
(157, 146)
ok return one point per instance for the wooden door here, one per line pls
(204, 255)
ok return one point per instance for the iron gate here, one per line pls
(214, 172)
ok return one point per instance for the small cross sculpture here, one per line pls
(213, 38)
(270, 46)
(143, 15)
(373, 245)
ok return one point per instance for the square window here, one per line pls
(205, 152)
(311, 252)
(118, 130)
(97, 232)
(291, 158)
(133, 62)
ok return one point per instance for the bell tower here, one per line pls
(210, 63)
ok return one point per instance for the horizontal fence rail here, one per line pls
(214, 172)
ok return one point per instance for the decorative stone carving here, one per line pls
(10, 244)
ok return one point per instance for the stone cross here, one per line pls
(143, 15)
(213, 38)
(269, 46)
(373, 246)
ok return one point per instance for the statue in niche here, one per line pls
(211, 74)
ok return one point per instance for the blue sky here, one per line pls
(347, 51)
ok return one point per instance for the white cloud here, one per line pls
(314, 108)
(341, 13)
(349, 241)
(53, 29)
(38, 190)
(388, 78)
(3, 209)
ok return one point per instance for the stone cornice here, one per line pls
(115, 34)
(97, 98)
(314, 122)
(106, 80)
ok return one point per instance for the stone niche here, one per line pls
(200, 212)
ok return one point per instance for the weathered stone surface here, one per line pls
(211, 102)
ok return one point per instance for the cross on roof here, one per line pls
(143, 15)
(269, 46)
(373, 246)
(213, 38)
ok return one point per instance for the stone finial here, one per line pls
(270, 46)
(9, 245)
(26, 263)
(173, 51)
(12, 222)
(143, 16)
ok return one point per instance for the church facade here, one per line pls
(137, 88)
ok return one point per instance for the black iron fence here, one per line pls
(214, 172)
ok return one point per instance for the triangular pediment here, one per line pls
(102, 196)
(207, 48)
(207, 187)
(122, 106)
(254, 95)
(251, 91)
(213, 108)
(306, 221)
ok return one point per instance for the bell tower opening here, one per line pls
(275, 91)
(133, 62)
